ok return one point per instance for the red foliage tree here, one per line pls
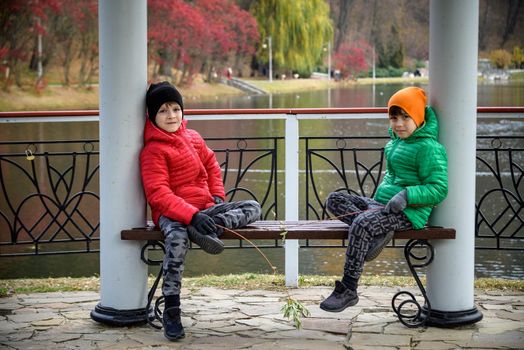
(352, 58)
(198, 36)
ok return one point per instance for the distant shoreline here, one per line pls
(56, 97)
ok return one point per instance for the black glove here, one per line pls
(398, 202)
(217, 200)
(203, 223)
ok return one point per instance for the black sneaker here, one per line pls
(341, 298)
(209, 243)
(377, 245)
(172, 323)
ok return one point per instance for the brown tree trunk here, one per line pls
(342, 22)
(511, 19)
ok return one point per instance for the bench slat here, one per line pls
(313, 229)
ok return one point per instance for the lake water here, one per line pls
(323, 261)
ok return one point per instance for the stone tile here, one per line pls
(18, 336)
(360, 327)
(497, 306)
(376, 317)
(497, 325)
(25, 345)
(55, 337)
(263, 293)
(304, 334)
(8, 306)
(265, 324)
(359, 339)
(326, 325)
(434, 345)
(30, 317)
(348, 314)
(234, 329)
(49, 323)
(511, 340)
(229, 342)
(148, 338)
(212, 324)
(256, 300)
(448, 334)
(238, 319)
(300, 344)
(221, 316)
(513, 315)
(257, 310)
(76, 315)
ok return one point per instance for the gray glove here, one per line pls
(217, 200)
(397, 203)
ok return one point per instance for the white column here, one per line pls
(292, 179)
(453, 93)
(123, 83)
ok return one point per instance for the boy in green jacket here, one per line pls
(416, 180)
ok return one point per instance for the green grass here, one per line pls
(247, 281)
(517, 76)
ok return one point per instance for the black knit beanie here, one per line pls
(158, 94)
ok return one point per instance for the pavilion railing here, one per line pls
(49, 198)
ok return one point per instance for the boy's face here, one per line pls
(402, 124)
(169, 117)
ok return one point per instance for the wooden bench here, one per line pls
(323, 230)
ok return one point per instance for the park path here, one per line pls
(237, 319)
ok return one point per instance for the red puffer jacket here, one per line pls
(180, 173)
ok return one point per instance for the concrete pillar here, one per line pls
(453, 55)
(123, 83)
(292, 199)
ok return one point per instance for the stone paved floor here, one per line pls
(235, 319)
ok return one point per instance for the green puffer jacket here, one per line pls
(418, 164)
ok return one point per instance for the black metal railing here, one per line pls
(49, 201)
(49, 196)
(356, 164)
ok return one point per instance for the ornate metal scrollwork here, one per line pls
(154, 314)
(415, 260)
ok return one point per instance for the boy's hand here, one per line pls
(398, 202)
(203, 223)
(218, 200)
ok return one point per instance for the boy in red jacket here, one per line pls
(183, 186)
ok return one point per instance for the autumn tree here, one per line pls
(86, 19)
(233, 33)
(198, 36)
(18, 26)
(500, 58)
(299, 30)
(352, 58)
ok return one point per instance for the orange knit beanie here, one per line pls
(412, 100)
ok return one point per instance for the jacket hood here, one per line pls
(429, 129)
(154, 133)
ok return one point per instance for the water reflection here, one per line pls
(509, 93)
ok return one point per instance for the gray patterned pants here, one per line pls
(366, 221)
(233, 215)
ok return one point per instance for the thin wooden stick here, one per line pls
(253, 244)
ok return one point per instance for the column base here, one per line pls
(448, 319)
(114, 317)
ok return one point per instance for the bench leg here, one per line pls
(417, 317)
(155, 314)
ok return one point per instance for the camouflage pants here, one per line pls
(233, 215)
(366, 221)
